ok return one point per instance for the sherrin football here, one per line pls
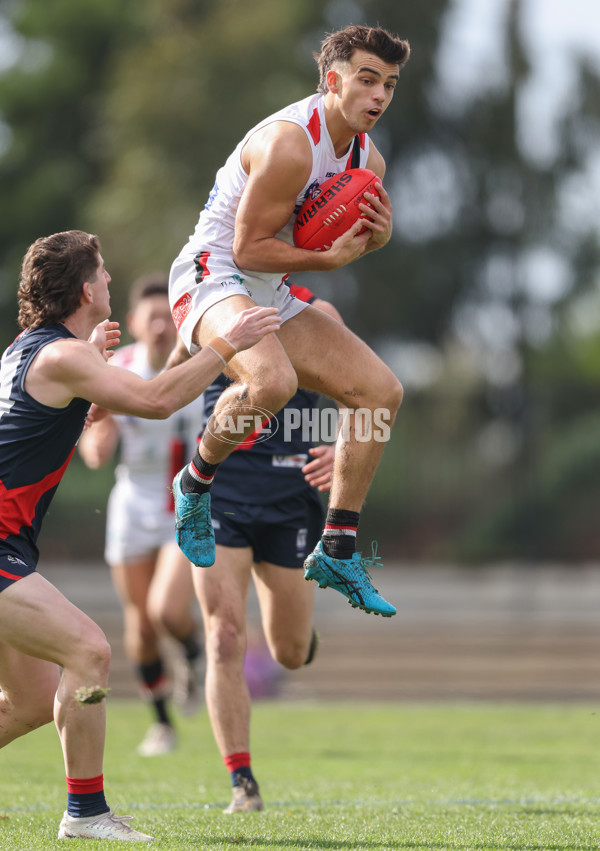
(331, 208)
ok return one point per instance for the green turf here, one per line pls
(338, 777)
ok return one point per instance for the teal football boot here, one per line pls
(194, 531)
(350, 577)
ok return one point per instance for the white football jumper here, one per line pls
(205, 272)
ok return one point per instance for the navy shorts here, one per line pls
(280, 534)
(12, 568)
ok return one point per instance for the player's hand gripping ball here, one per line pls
(332, 208)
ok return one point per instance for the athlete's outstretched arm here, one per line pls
(75, 368)
(179, 354)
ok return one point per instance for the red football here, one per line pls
(331, 208)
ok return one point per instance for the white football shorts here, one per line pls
(196, 284)
(139, 521)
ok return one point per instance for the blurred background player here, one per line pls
(146, 564)
(267, 517)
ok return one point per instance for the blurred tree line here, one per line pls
(115, 115)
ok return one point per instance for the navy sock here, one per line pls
(239, 767)
(236, 776)
(339, 535)
(85, 797)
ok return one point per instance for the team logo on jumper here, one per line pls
(244, 425)
(320, 198)
(313, 190)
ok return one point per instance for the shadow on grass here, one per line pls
(317, 842)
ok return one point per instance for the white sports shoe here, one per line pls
(188, 684)
(105, 826)
(159, 740)
(246, 798)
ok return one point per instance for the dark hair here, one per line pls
(340, 46)
(154, 283)
(53, 272)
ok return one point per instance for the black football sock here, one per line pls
(339, 535)
(312, 650)
(192, 647)
(154, 682)
(198, 475)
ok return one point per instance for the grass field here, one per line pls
(338, 777)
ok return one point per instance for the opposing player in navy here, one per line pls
(54, 660)
(267, 517)
(240, 254)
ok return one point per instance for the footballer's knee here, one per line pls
(39, 714)
(386, 395)
(225, 642)
(29, 714)
(291, 654)
(164, 618)
(395, 394)
(92, 661)
(390, 400)
(274, 389)
(383, 393)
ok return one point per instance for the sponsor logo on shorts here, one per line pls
(181, 308)
(301, 539)
(235, 281)
(15, 560)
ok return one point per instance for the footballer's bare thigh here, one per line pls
(252, 362)
(326, 356)
(330, 359)
(37, 619)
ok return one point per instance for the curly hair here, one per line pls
(340, 46)
(54, 270)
